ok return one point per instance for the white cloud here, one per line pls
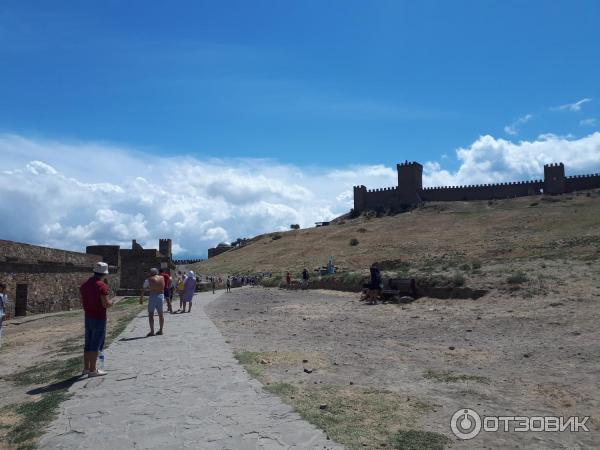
(589, 122)
(73, 194)
(492, 160)
(69, 195)
(513, 128)
(572, 106)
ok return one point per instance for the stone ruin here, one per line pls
(42, 279)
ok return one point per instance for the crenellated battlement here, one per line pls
(408, 164)
(591, 175)
(410, 191)
(484, 186)
(386, 189)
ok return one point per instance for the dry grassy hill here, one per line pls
(439, 238)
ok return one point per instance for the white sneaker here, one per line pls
(97, 373)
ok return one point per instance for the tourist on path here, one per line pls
(228, 284)
(180, 289)
(95, 302)
(288, 280)
(165, 274)
(3, 307)
(155, 283)
(305, 278)
(188, 290)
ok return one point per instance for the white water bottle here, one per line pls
(101, 361)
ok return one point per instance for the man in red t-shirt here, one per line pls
(167, 277)
(95, 302)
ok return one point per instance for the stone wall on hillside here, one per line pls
(410, 192)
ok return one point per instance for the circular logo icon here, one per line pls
(465, 424)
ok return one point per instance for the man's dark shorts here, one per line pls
(95, 332)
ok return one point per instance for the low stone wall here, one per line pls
(49, 288)
(16, 251)
(46, 279)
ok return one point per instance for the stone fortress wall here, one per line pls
(410, 191)
(221, 248)
(41, 279)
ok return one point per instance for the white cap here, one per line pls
(101, 268)
(190, 273)
(154, 271)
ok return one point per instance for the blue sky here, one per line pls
(318, 90)
(311, 82)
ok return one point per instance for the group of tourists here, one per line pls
(160, 287)
(305, 277)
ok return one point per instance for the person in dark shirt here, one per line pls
(305, 278)
(167, 277)
(95, 302)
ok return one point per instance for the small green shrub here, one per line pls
(276, 236)
(362, 230)
(353, 242)
(476, 264)
(458, 279)
(517, 278)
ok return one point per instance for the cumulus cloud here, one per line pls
(492, 160)
(572, 106)
(513, 128)
(72, 194)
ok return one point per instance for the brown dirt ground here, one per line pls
(537, 354)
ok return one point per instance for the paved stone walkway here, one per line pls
(180, 390)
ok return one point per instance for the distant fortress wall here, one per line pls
(410, 191)
(582, 182)
(481, 191)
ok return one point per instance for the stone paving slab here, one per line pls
(180, 390)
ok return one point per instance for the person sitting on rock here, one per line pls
(375, 282)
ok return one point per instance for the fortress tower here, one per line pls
(164, 247)
(410, 182)
(410, 177)
(554, 178)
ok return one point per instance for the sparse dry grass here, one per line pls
(356, 416)
(23, 422)
(360, 417)
(439, 235)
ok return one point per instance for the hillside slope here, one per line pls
(447, 234)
